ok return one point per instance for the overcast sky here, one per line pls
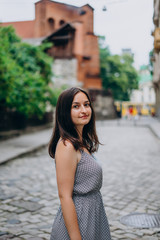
(125, 24)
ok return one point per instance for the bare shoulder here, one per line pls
(66, 146)
(65, 151)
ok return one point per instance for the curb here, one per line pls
(25, 153)
(153, 131)
(6, 135)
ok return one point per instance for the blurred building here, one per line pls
(145, 93)
(156, 54)
(75, 46)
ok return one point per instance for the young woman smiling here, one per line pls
(81, 215)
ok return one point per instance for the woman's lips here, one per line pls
(84, 117)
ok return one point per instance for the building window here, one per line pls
(51, 23)
(82, 12)
(61, 22)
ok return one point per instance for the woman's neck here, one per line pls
(80, 131)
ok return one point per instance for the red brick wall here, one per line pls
(23, 29)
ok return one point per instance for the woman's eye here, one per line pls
(87, 105)
(75, 106)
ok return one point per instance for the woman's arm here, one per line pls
(66, 163)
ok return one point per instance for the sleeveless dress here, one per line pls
(92, 219)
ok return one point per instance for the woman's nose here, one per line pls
(83, 109)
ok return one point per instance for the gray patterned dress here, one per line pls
(87, 198)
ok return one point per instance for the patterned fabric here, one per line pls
(88, 202)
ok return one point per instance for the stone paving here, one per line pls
(130, 158)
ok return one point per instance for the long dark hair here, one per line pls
(65, 128)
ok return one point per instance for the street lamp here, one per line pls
(104, 9)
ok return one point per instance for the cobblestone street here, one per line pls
(130, 158)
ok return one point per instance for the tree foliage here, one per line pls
(25, 75)
(117, 72)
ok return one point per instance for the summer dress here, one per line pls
(92, 219)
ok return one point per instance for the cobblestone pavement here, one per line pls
(130, 158)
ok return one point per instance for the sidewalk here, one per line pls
(152, 123)
(19, 146)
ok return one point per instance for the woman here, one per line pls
(81, 215)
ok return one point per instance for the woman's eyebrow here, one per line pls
(75, 103)
(79, 102)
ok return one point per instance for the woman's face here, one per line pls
(81, 111)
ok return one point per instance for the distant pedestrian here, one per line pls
(81, 215)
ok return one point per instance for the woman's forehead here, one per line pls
(80, 96)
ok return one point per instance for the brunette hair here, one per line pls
(65, 128)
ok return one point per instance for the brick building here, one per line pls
(75, 47)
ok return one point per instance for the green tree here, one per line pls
(25, 75)
(117, 72)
